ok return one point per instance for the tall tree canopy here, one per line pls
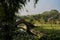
(7, 24)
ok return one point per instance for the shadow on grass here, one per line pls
(50, 35)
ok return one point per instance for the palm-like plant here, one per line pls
(8, 20)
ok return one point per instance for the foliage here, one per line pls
(52, 16)
(8, 8)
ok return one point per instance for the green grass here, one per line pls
(53, 31)
(50, 26)
(43, 27)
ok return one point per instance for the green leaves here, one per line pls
(9, 7)
(15, 4)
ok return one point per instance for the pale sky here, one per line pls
(42, 5)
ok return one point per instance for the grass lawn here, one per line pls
(50, 26)
(51, 30)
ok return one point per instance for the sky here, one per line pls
(41, 6)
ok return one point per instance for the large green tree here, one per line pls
(7, 24)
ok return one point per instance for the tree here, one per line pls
(7, 24)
